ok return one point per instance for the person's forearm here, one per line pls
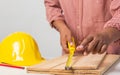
(59, 25)
(65, 33)
(113, 33)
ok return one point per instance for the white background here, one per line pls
(29, 16)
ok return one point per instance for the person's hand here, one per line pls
(65, 37)
(65, 34)
(99, 42)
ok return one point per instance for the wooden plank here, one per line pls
(58, 64)
(83, 64)
(47, 65)
(109, 60)
(91, 61)
(61, 68)
(55, 64)
(105, 65)
(56, 73)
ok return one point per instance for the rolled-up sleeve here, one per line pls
(115, 11)
(53, 10)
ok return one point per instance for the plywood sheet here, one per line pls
(78, 62)
(104, 66)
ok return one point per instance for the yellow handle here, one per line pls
(71, 47)
(71, 52)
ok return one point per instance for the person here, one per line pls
(94, 24)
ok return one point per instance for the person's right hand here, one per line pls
(65, 34)
(65, 37)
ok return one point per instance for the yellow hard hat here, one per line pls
(20, 49)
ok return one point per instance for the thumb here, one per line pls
(69, 39)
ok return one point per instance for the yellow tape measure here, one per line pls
(71, 47)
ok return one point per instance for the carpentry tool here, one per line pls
(71, 47)
(11, 66)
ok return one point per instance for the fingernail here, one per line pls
(71, 43)
(85, 53)
(80, 47)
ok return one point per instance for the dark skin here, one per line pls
(99, 42)
(96, 43)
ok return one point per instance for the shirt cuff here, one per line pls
(114, 22)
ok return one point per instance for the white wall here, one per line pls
(29, 16)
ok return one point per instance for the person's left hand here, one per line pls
(99, 42)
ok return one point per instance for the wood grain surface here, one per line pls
(91, 61)
(109, 60)
(57, 65)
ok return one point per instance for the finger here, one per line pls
(69, 39)
(84, 43)
(65, 48)
(71, 42)
(64, 45)
(92, 46)
(80, 48)
(85, 51)
(103, 49)
(99, 46)
(87, 40)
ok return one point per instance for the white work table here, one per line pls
(114, 70)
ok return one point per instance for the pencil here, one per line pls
(11, 66)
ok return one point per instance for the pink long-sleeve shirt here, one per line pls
(84, 17)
